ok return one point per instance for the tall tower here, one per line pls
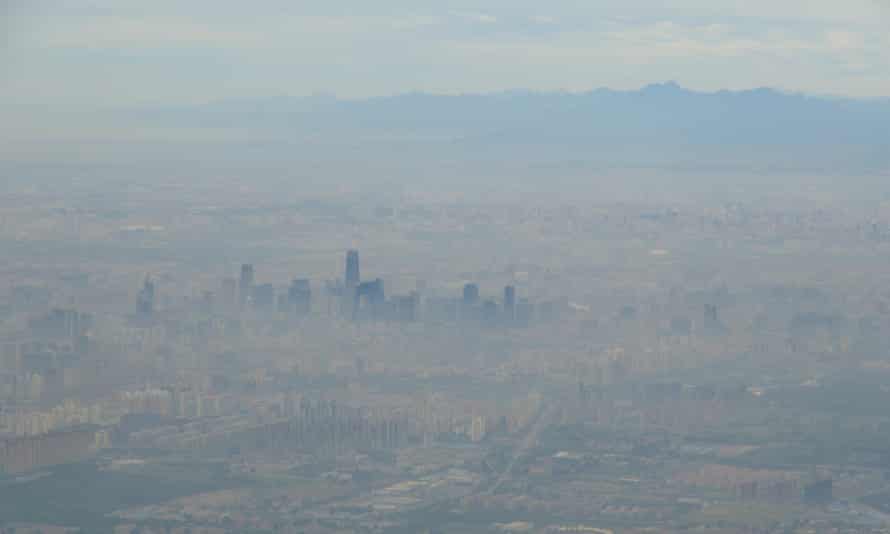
(471, 294)
(353, 275)
(145, 304)
(245, 283)
(299, 297)
(510, 302)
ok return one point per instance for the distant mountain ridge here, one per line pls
(660, 124)
(628, 142)
(752, 116)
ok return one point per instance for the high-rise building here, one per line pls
(469, 309)
(299, 297)
(471, 294)
(510, 302)
(145, 302)
(353, 274)
(405, 307)
(369, 300)
(245, 283)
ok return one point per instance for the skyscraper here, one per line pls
(245, 283)
(299, 297)
(471, 294)
(353, 274)
(510, 302)
(145, 303)
(373, 296)
(405, 307)
(469, 304)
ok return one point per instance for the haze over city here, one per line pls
(401, 267)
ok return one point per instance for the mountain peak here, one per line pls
(664, 87)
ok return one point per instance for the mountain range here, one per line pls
(504, 140)
(657, 124)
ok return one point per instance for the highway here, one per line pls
(541, 422)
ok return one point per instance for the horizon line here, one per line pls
(668, 84)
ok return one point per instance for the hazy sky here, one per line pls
(84, 53)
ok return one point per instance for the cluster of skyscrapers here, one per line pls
(356, 299)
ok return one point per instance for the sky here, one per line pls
(86, 54)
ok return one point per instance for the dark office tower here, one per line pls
(471, 294)
(245, 283)
(376, 295)
(299, 297)
(370, 300)
(145, 303)
(469, 308)
(405, 307)
(510, 302)
(353, 274)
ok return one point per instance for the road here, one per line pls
(541, 422)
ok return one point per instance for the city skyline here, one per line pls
(613, 366)
(406, 266)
